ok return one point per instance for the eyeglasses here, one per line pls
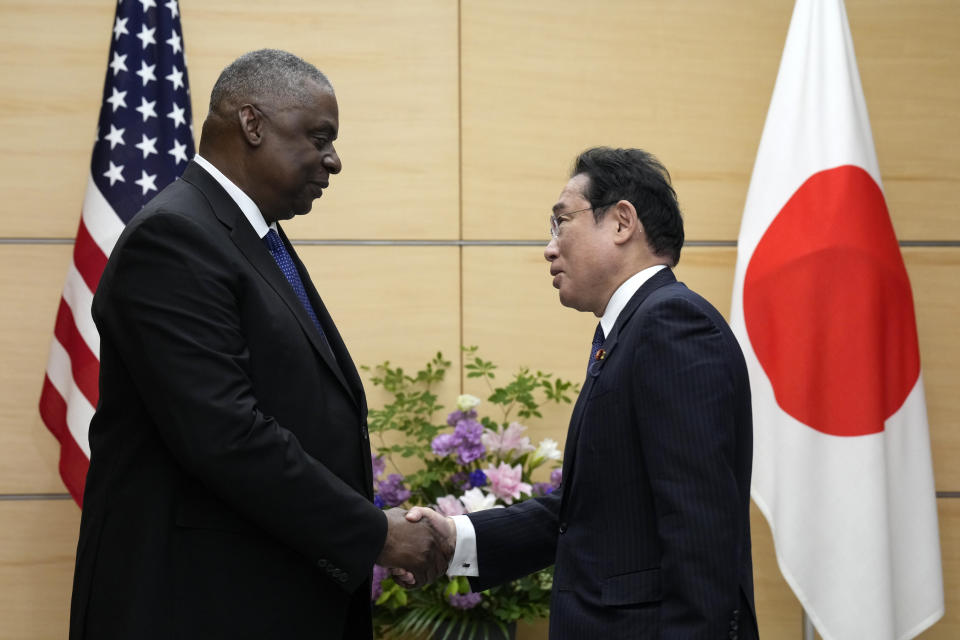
(555, 219)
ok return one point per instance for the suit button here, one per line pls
(563, 527)
(363, 430)
(733, 626)
(732, 635)
(321, 563)
(344, 577)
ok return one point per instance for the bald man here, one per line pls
(230, 490)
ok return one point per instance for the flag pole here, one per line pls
(808, 633)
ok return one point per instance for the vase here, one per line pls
(484, 630)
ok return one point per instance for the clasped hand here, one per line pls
(419, 545)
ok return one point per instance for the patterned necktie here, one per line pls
(285, 262)
(597, 341)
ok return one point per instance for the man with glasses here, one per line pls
(650, 530)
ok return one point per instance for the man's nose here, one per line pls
(332, 162)
(550, 251)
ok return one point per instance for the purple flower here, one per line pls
(378, 501)
(543, 488)
(457, 416)
(477, 479)
(460, 480)
(392, 490)
(469, 434)
(556, 476)
(464, 601)
(444, 444)
(379, 573)
(379, 466)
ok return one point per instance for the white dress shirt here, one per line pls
(464, 561)
(248, 206)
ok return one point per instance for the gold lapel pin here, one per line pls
(601, 354)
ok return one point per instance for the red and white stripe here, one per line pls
(70, 393)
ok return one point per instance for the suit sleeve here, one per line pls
(686, 397)
(171, 306)
(515, 541)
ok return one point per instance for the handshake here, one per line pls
(420, 543)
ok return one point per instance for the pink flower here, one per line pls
(450, 506)
(504, 442)
(506, 482)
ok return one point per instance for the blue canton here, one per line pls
(145, 131)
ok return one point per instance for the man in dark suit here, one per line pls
(650, 530)
(230, 492)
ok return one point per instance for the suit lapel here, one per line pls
(253, 249)
(609, 346)
(337, 355)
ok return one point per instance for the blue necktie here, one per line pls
(285, 262)
(595, 346)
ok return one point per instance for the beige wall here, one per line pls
(458, 123)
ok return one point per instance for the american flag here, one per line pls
(144, 141)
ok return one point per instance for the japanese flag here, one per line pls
(823, 309)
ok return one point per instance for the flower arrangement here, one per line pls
(469, 463)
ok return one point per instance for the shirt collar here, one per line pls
(622, 296)
(247, 206)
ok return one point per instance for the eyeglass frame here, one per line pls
(555, 219)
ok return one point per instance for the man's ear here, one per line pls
(251, 123)
(624, 215)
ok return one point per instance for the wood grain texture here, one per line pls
(394, 67)
(38, 546)
(690, 82)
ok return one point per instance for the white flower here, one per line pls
(475, 500)
(466, 402)
(548, 450)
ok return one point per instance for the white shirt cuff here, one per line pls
(464, 561)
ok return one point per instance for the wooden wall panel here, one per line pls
(54, 60)
(394, 67)
(31, 279)
(392, 303)
(38, 545)
(690, 82)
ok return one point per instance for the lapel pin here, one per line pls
(601, 354)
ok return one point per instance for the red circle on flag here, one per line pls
(828, 306)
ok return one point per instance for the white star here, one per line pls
(115, 136)
(176, 77)
(146, 182)
(119, 63)
(114, 173)
(177, 115)
(146, 109)
(147, 145)
(120, 28)
(147, 4)
(179, 152)
(118, 99)
(172, 5)
(146, 36)
(146, 72)
(175, 42)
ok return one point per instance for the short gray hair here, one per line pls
(268, 73)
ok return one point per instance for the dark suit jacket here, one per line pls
(229, 492)
(650, 531)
